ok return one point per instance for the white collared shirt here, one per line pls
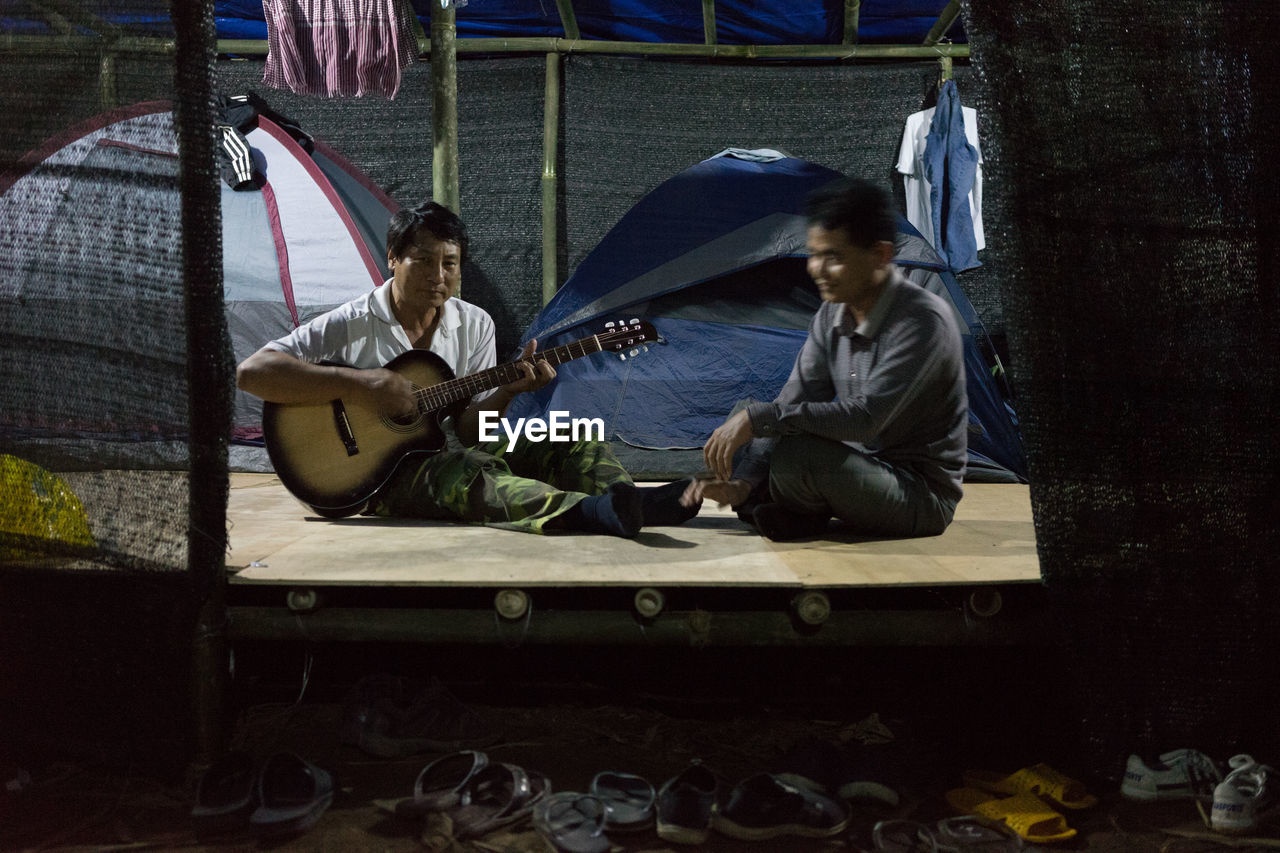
(365, 333)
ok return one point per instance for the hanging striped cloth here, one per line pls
(338, 47)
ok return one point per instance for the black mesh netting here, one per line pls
(109, 264)
(114, 371)
(1135, 141)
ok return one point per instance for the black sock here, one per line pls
(617, 512)
(776, 522)
(661, 504)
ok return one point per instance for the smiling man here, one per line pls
(575, 485)
(871, 426)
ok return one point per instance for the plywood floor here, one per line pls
(276, 540)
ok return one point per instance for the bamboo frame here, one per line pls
(550, 207)
(852, 11)
(47, 45)
(944, 22)
(253, 47)
(444, 106)
(568, 19)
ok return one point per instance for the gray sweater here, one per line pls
(892, 387)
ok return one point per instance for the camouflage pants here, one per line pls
(519, 487)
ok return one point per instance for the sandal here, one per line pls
(227, 795)
(1040, 779)
(629, 800)
(950, 835)
(439, 786)
(1024, 815)
(292, 795)
(572, 823)
(496, 796)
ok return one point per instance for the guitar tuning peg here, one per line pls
(622, 356)
(635, 320)
(609, 325)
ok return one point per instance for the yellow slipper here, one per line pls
(1024, 815)
(1040, 779)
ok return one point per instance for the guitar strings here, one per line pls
(442, 394)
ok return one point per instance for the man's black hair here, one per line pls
(858, 207)
(442, 222)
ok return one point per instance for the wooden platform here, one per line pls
(274, 540)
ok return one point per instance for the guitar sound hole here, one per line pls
(404, 422)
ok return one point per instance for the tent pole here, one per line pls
(444, 105)
(709, 21)
(550, 147)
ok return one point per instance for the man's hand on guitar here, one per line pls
(535, 373)
(391, 394)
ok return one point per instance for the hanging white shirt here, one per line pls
(911, 165)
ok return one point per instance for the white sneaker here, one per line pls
(1178, 775)
(1243, 799)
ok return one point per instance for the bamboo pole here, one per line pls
(709, 21)
(248, 47)
(257, 47)
(550, 148)
(944, 22)
(852, 11)
(444, 106)
(568, 19)
(108, 90)
(76, 44)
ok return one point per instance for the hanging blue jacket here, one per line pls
(950, 166)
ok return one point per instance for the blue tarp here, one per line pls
(713, 258)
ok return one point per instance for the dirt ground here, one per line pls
(928, 715)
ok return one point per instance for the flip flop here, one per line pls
(965, 834)
(292, 795)
(497, 796)
(1024, 815)
(227, 795)
(962, 834)
(628, 799)
(1039, 779)
(903, 836)
(439, 785)
(572, 823)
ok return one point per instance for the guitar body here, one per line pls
(334, 456)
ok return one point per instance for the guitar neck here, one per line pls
(464, 388)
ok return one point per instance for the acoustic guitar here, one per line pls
(335, 456)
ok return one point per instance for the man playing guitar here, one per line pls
(344, 358)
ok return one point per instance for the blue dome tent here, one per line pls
(714, 258)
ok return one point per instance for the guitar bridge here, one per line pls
(343, 426)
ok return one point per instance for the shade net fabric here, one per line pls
(1136, 143)
(109, 257)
